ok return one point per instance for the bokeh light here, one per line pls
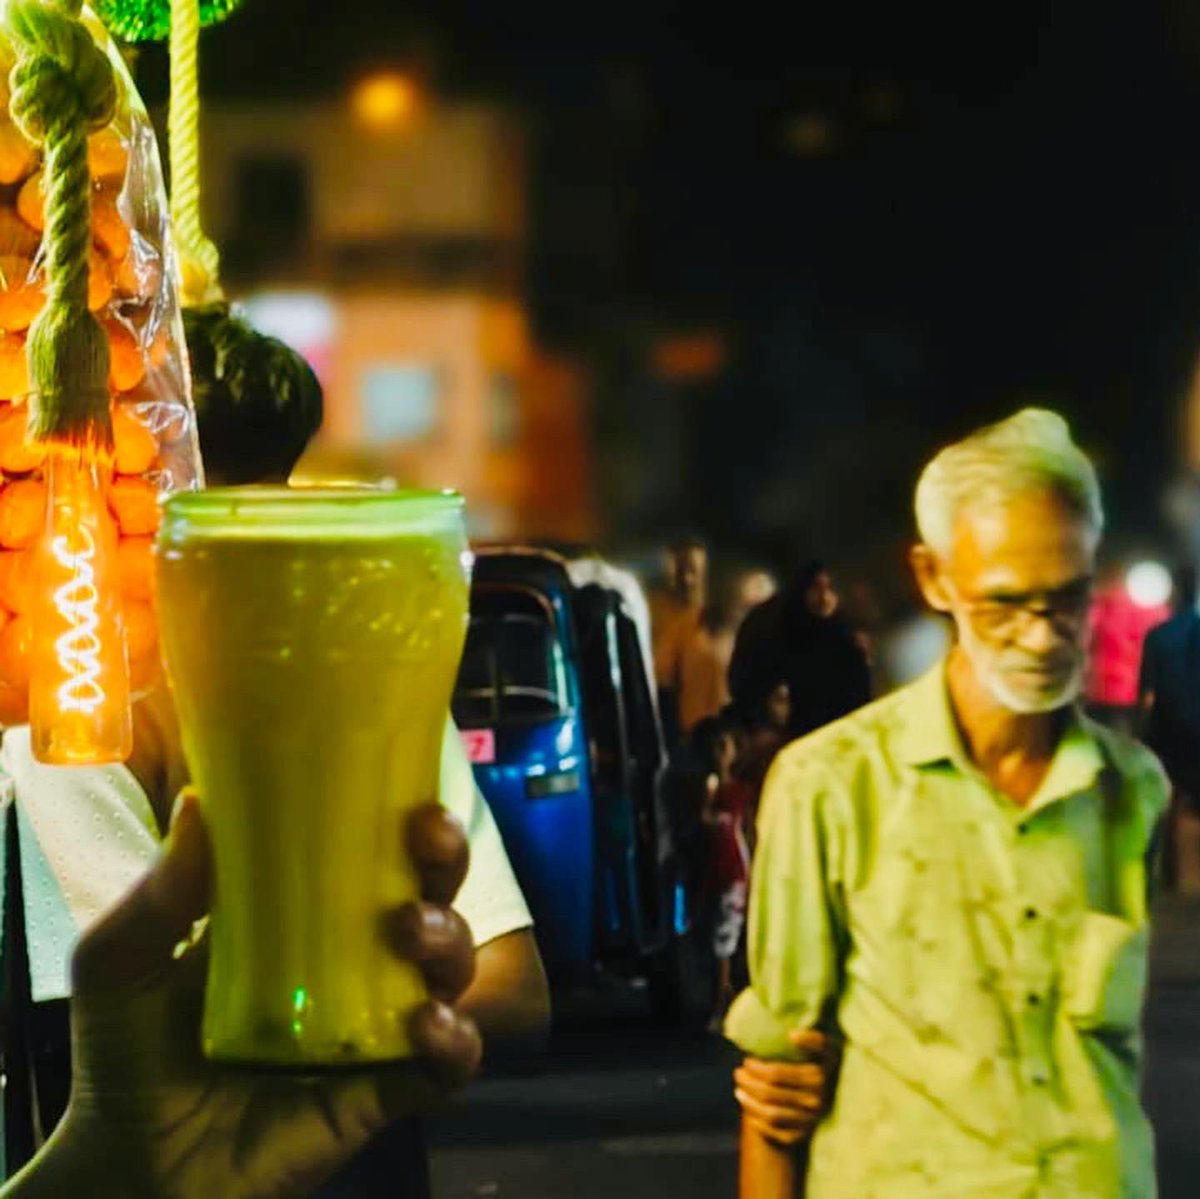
(385, 100)
(1149, 584)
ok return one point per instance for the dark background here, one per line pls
(902, 221)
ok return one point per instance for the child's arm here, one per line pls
(767, 1170)
(795, 947)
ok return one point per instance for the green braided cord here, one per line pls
(198, 258)
(63, 89)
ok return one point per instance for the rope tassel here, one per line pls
(63, 89)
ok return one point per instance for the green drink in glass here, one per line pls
(311, 638)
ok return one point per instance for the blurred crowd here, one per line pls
(744, 662)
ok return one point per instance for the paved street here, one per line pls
(1173, 1048)
(623, 1109)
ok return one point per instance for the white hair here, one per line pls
(1031, 451)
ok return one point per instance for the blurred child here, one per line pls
(727, 799)
(766, 733)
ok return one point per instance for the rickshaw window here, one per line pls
(513, 666)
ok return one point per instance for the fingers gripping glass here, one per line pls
(1065, 608)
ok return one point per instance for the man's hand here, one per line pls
(784, 1100)
(156, 1118)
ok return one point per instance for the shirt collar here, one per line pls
(930, 735)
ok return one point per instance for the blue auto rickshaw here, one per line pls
(556, 705)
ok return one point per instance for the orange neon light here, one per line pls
(78, 649)
(79, 701)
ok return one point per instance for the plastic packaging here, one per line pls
(132, 290)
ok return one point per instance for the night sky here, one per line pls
(906, 223)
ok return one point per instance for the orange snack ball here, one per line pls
(21, 293)
(31, 204)
(134, 502)
(17, 239)
(14, 704)
(160, 347)
(18, 455)
(14, 367)
(16, 647)
(138, 275)
(141, 631)
(109, 230)
(22, 513)
(135, 568)
(100, 283)
(136, 448)
(17, 156)
(16, 580)
(107, 155)
(126, 367)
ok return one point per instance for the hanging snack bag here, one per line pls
(131, 291)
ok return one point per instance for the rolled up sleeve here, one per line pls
(490, 899)
(796, 929)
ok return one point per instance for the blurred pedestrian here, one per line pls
(1170, 724)
(705, 654)
(754, 586)
(800, 636)
(675, 612)
(766, 734)
(725, 815)
(1118, 626)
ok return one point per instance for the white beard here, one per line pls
(982, 661)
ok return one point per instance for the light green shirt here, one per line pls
(985, 963)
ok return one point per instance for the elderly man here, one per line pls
(953, 879)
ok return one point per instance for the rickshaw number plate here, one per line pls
(480, 745)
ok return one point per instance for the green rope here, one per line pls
(62, 90)
(198, 258)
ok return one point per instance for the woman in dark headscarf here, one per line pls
(800, 637)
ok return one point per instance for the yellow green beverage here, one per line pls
(311, 639)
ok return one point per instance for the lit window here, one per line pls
(400, 402)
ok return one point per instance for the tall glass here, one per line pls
(311, 638)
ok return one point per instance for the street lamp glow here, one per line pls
(1149, 584)
(385, 100)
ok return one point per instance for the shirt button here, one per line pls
(1039, 1080)
(1031, 913)
(1032, 999)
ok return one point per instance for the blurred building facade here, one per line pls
(389, 248)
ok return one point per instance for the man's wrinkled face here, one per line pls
(1018, 583)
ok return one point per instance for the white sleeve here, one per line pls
(87, 834)
(490, 900)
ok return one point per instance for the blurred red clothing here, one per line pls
(1118, 631)
(731, 851)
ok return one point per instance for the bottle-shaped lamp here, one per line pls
(79, 701)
